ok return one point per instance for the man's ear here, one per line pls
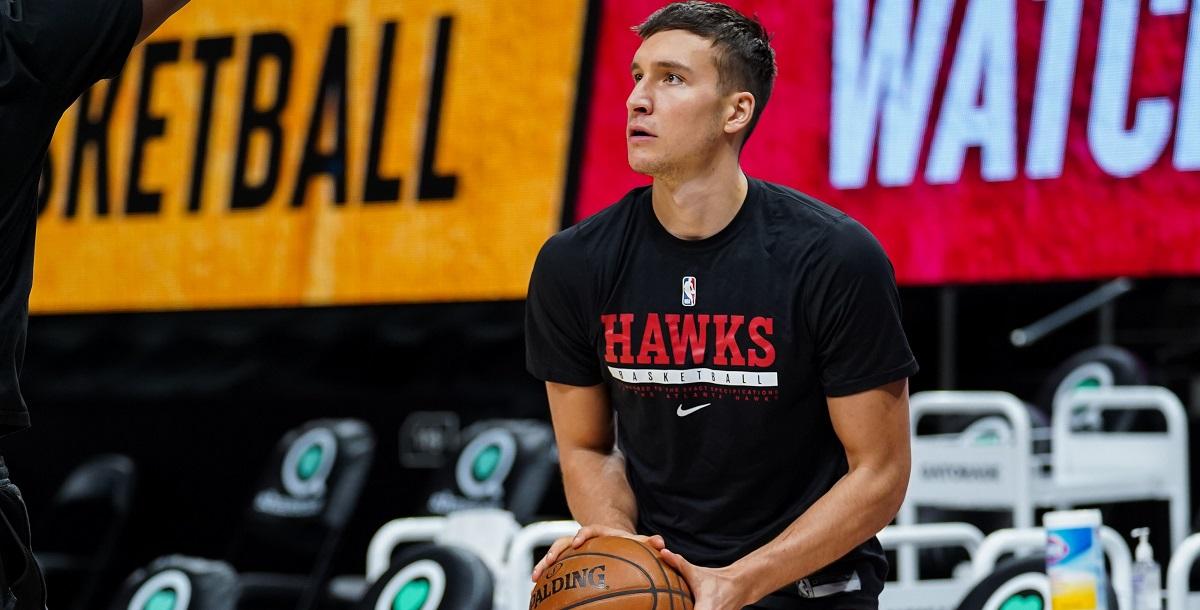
(740, 111)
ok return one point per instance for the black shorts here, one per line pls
(856, 589)
(21, 584)
(840, 601)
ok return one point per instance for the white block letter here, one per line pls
(1052, 94)
(887, 84)
(985, 60)
(1187, 132)
(1118, 151)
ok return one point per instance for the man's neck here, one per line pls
(699, 206)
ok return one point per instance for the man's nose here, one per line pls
(638, 102)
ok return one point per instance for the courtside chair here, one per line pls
(179, 583)
(502, 463)
(434, 577)
(477, 504)
(281, 554)
(77, 536)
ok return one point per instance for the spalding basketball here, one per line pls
(610, 573)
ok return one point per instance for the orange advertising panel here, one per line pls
(254, 154)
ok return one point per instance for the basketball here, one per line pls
(610, 573)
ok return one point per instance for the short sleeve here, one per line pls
(854, 313)
(558, 315)
(71, 44)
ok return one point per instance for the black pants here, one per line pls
(839, 601)
(22, 586)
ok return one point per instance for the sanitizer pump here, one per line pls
(1147, 579)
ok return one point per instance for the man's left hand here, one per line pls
(713, 588)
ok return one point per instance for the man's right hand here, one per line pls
(591, 531)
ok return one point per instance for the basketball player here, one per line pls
(50, 52)
(724, 357)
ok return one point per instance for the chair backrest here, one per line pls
(1019, 583)
(954, 470)
(432, 577)
(89, 507)
(502, 463)
(520, 557)
(1099, 366)
(1021, 542)
(1088, 456)
(485, 533)
(910, 592)
(307, 493)
(179, 583)
(1179, 572)
(78, 535)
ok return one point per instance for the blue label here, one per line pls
(1065, 545)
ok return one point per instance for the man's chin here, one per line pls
(642, 166)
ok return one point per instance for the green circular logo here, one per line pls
(991, 437)
(1089, 383)
(309, 462)
(163, 599)
(412, 595)
(485, 463)
(1023, 602)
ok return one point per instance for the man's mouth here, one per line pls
(640, 134)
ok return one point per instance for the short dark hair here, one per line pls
(745, 59)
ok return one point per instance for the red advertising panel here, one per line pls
(979, 140)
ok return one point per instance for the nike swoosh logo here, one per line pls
(682, 412)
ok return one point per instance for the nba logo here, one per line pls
(689, 291)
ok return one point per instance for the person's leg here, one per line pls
(22, 586)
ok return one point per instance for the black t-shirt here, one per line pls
(718, 355)
(50, 51)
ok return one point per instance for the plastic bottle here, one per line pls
(1147, 577)
(1075, 560)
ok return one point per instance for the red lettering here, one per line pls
(613, 338)
(766, 325)
(726, 342)
(652, 343)
(690, 335)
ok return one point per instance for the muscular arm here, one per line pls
(598, 493)
(154, 13)
(873, 428)
(593, 470)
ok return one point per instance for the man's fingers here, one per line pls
(680, 564)
(656, 542)
(583, 534)
(551, 555)
(669, 557)
(594, 531)
(562, 544)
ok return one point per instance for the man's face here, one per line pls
(675, 110)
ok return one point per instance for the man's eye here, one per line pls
(673, 78)
(637, 77)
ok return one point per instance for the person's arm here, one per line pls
(873, 428)
(598, 493)
(593, 470)
(154, 13)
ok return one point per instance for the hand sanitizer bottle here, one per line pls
(1147, 578)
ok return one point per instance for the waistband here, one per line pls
(822, 585)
